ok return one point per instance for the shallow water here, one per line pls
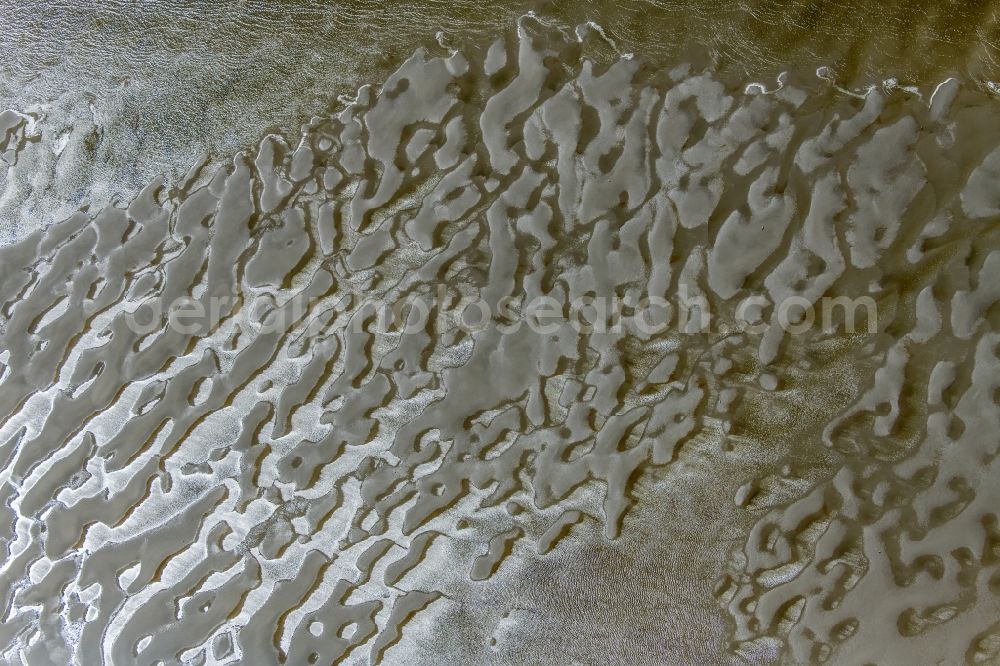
(128, 95)
(270, 486)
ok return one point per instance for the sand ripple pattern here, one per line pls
(224, 497)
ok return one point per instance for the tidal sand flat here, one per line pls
(534, 349)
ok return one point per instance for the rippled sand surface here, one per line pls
(129, 94)
(268, 486)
